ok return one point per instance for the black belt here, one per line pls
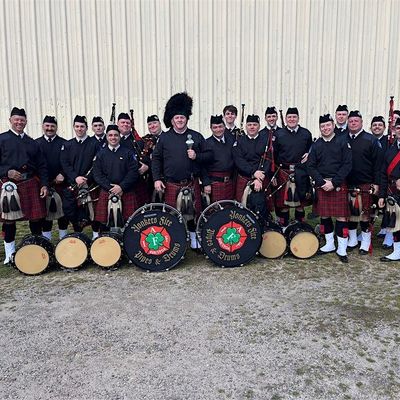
(182, 182)
(223, 179)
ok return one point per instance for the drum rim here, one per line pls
(312, 255)
(284, 238)
(49, 256)
(119, 242)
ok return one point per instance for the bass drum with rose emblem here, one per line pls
(230, 234)
(155, 237)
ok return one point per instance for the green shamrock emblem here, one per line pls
(231, 236)
(155, 241)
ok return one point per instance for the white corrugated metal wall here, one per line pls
(67, 57)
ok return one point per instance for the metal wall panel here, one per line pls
(67, 57)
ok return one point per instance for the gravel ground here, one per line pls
(284, 329)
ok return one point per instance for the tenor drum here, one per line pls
(106, 250)
(303, 242)
(274, 244)
(33, 255)
(72, 251)
(229, 233)
(155, 237)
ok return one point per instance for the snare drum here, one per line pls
(229, 233)
(155, 237)
(33, 255)
(303, 242)
(274, 244)
(106, 250)
(72, 251)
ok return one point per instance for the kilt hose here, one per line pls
(332, 204)
(281, 194)
(32, 206)
(367, 199)
(129, 205)
(221, 190)
(172, 190)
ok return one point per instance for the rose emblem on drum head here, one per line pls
(231, 236)
(155, 240)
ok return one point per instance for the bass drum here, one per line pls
(303, 242)
(155, 237)
(72, 251)
(229, 233)
(274, 244)
(106, 250)
(33, 255)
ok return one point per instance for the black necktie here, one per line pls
(80, 141)
(114, 150)
(353, 136)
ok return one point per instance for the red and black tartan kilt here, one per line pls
(129, 205)
(141, 190)
(32, 205)
(172, 191)
(241, 183)
(222, 190)
(281, 178)
(332, 204)
(367, 199)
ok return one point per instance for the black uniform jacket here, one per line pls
(22, 154)
(331, 159)
(170, 160)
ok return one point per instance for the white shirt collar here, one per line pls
(326, 140)
(112, 148)
(220, 139)
(252, 138)
(81, 139)
(100, 137)
(355, 134)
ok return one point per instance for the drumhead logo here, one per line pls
(231, 236)
(155, 240)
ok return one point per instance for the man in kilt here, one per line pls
(132, 141)
(116, 172)
(77, 157)
(329, 163)
(250, 157)
(363, 180)
(271, 119)
(291, 146)
(178, 159)
(51, 144)
(24, 181)
(390, 186)
(218, 178)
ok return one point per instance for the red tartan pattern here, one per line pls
(141, 190)
(172, 190)
(32, 205)
(332, 204)
(366, 199)
(129, 205)
(281, 178)
(241, 183)
(222, 190)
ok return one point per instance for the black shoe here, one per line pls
(386, 246)
(351, 248)
(385, 259)
(343, 259)
(322, 253)
(363, 252)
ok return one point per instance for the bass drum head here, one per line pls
(33, 255)
(303, 241)
(72, 251)
(106, 251)
(230, 234)
(155, 237)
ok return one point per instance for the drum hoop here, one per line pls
(164, 207)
